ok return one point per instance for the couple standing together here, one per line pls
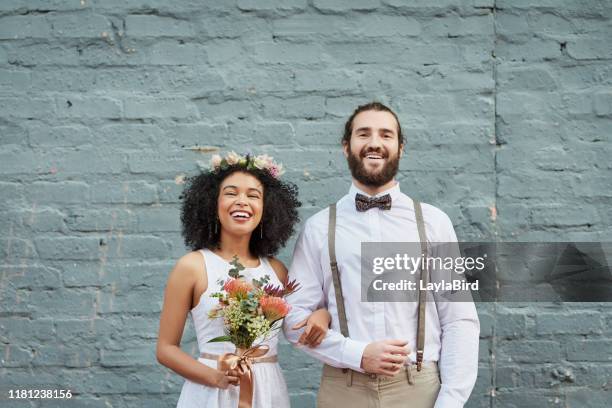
(376, 354)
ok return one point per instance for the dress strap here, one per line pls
(209, 265)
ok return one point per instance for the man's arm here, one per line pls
(459, 354)
(335, 349)
(460, 329)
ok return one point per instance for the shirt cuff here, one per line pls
(446, 401)
(352, 353)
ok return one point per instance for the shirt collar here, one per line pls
(393, 191)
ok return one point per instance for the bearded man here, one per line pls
(378, 354)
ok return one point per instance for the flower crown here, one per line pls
(261, 162)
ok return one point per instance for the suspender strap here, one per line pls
(331, 242)
(425, 279)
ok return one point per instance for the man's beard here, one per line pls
(377, 179)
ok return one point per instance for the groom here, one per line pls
(378, 354)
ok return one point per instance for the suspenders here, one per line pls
(331, 240)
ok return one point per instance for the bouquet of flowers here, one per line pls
(251, 310)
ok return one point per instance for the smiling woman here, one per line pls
(240, 208)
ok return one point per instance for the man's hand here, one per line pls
(385, 357)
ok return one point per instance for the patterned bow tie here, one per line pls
(364, 203)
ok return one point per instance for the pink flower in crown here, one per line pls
(232, 158)
(276, 170)
(215, 161)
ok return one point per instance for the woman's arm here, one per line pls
(177, 303)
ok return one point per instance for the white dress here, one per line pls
(269, 387)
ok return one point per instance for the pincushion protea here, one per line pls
(237, 288)
(274, 308)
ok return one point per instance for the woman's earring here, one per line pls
(261, 230)
(216, 226)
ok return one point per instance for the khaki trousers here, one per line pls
(416, 389)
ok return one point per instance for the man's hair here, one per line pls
(372, 106)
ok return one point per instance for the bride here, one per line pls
(238, 208)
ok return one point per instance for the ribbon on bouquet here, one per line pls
(242, 360)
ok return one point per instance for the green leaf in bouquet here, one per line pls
(250, 304)
(219, 339)
(234, 272)
(260, 283)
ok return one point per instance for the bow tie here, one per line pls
(363, 203)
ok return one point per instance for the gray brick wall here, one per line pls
(506, 105)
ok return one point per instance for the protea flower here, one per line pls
(273, 290)
(237, 288)
(287, 288)
(274, 308)
(290, 286)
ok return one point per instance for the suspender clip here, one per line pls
(419, 359)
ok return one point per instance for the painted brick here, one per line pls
(505, 106)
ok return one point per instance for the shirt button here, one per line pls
(373, 376)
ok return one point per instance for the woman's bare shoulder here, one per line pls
(190, 266)
(279, 268)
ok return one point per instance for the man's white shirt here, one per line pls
(452, 328)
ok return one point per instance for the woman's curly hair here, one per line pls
(199, 210)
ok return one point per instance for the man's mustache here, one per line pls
(381, 152)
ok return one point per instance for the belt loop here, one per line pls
(409, 374)
(349, 377)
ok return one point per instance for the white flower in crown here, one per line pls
(215, 161)
(268, 160)
(232, 158)
(261, 162)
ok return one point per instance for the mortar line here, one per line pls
(492, 357)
